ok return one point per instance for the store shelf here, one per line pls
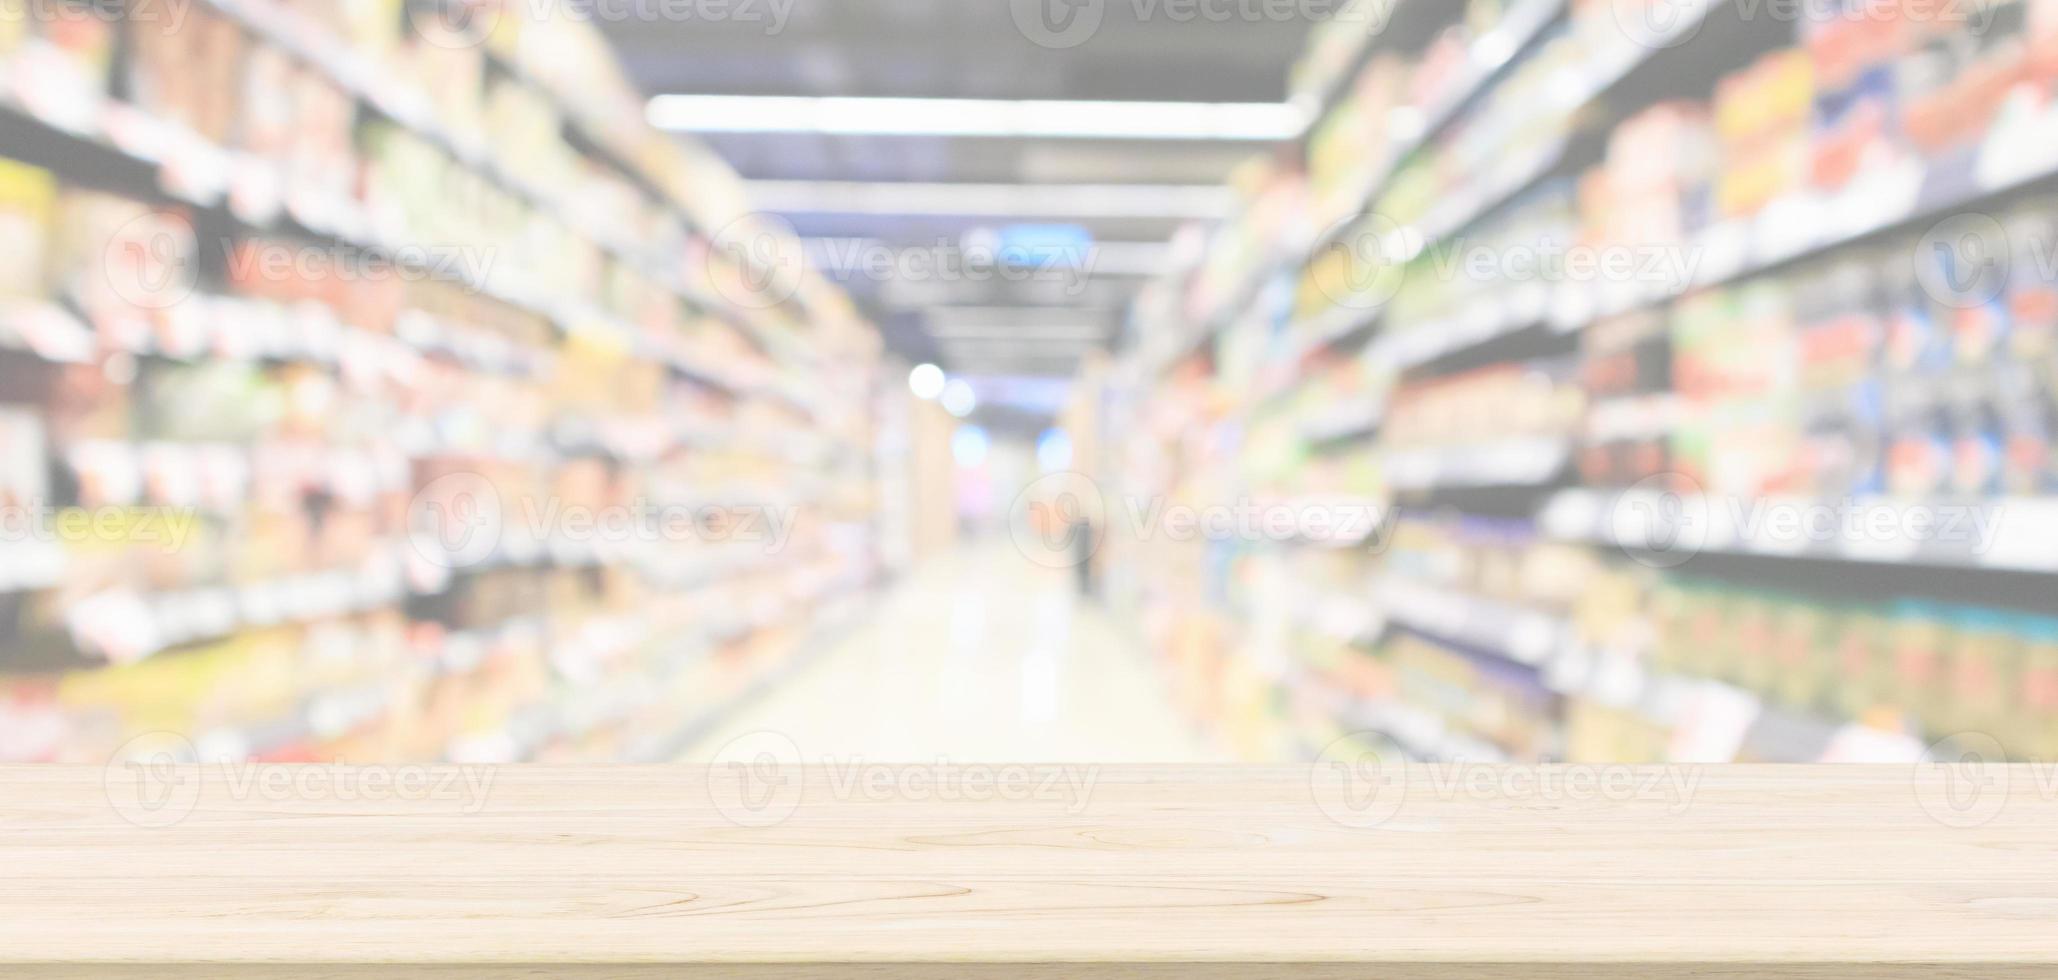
(1341, 616)
(1519, 635)
(825, 627)
(1718, 723)
(1519, 30)
(1510, 177)
(48, 331)
(1803, 228)
(357, 76)
(1858, 360)
(1482, 323)
(1347, 424)
(1330, 93)
(1421, 735)
(2005, 533)
(300, 417)
(1331, 329)
(31, 565)
(124, 626)
(1489, 55)
(1512, 463)
(144, 142)
(196, 171)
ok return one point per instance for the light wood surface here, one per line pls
(1132, 872)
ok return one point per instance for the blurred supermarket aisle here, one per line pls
(978, 656)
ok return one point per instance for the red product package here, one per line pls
(2043, 42)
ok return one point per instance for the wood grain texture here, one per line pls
(646, 872)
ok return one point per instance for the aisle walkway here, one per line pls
(980, 657)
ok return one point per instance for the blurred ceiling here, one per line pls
(992, 325)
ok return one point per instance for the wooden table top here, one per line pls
(946, 871)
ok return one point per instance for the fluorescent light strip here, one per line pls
(1172, 201)
(1200, 121)
(968, 337)
(1021, 313)
(1017, 345)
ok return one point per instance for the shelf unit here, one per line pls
(1266, 397)
(315, 605)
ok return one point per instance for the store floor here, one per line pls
(978, 657)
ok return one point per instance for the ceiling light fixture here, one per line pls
(1013, 119)
(927, 381)
(1204, 202)
(960, 400)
